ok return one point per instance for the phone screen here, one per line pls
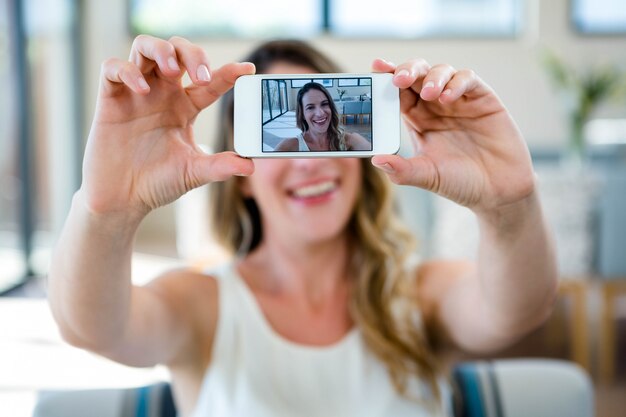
(316, 115)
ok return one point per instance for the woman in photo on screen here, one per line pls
(318, 120)
(322, 310)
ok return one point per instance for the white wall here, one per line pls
(510, 66)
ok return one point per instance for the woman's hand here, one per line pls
(468, 148)
(141, 152)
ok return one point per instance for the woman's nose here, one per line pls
(309, 164)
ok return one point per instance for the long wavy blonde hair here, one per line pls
(384, 299)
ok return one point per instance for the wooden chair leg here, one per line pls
(607, 336)
(579, 328)
(576, 291)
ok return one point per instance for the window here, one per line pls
(348, 82)
(300, 83)
(13, 260)
(275, 99)
(425, 18)
(326, 82)
(599, 16)
(241, 18)
(342, 18)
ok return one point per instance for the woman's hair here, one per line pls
(383, 302)
(335, 133)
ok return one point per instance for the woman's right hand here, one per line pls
(141, 152)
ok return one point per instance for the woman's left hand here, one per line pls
(468, 148)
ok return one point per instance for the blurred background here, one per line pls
(559, 66)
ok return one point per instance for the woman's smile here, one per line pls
(320, 121)
(314, 193)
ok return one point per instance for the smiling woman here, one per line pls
(322, 298)
(318, 120)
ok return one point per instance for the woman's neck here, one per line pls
(311, 270)
(318, 140)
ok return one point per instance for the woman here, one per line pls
(317, 118)
(321, 314)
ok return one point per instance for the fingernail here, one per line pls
(387, 168)
(447, 92)
(241, 174)
(429, 84)
(142, 83)
(203, 73)
(388, 62)
(173, 64)
(402, 73)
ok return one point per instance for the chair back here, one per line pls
(504, 388)
(522, 388)
(366, 107)
(352, 107)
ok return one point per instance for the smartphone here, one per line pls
(316, 115)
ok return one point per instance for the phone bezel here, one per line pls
(385, 120)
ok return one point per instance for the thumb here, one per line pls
(206, 168)
(418, 171)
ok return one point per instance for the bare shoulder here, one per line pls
(193, 296)
(287, 145)
(436, 277)
(186, 289)
(357, 142)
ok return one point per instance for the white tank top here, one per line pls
(255, 372)
(302, 146)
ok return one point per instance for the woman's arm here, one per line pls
(140, 155)
(510, 290)
(356, 142)
(469, 150)
(287, 145)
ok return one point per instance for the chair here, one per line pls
(366, 110)
(149, 401)
(351, 108)
(522, 388)
(511, 388)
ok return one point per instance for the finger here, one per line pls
(116, 74)
(207, 168)
(464, 83)
(382, 65)
(194, 59)
(410, 74)
(222, 80)
(435, 81)
(417, 171)
(149, 53)
(408, 77)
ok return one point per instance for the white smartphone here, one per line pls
(316, 115)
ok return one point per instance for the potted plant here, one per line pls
(582, 93)
(341, 93)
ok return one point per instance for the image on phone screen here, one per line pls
(316, 115)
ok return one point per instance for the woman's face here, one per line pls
(305, 200)
(316, 110)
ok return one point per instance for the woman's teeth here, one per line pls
(320, 121)
(315, 189)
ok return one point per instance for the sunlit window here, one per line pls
(599, 16)
(343, 18)
(425, 18)
(243, 18)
